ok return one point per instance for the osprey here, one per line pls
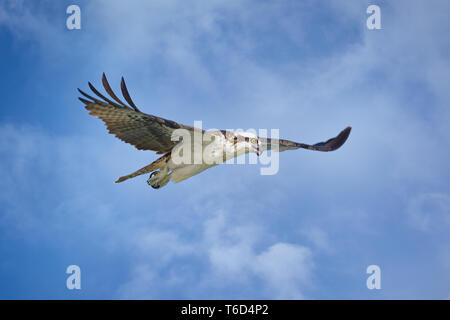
(149, 132)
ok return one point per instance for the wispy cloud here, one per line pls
(309, 69)
(430, 212)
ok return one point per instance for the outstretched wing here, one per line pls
(128, 123)
(329, 145)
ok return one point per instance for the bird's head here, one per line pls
(250, 142)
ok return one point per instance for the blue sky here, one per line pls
(308, 68)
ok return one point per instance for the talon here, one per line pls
(158, 179)
(154, 184)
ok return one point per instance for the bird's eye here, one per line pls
(253, 141)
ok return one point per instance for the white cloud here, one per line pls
(233, 255)
(287, 268)
(283, 269)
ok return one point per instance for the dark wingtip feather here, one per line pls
(90, 97)
(334, 143)
(126, 95)
(102, 96)
(110, 91)
(86, 102)
(342, 138)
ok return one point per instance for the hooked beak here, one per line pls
(258, 153)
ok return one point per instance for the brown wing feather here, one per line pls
(144, 131)
(329, 145)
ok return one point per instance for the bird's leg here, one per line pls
(158, 178)
(164, 180)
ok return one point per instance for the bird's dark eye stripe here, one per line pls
(247, 139)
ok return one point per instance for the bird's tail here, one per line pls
(155, 165)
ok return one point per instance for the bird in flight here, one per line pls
(180, 156)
